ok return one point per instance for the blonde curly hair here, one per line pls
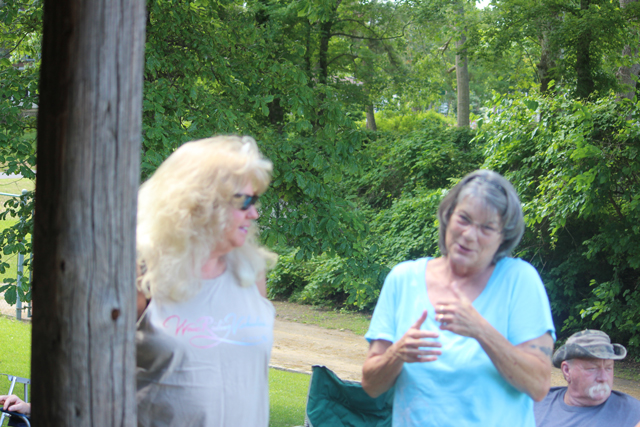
(184, 209)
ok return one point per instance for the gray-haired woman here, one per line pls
(482, 320)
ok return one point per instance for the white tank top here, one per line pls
(204, 362)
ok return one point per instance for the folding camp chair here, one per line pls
(14, 380)
(16, 419)
(337, 403)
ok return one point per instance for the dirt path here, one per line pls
(298, 346)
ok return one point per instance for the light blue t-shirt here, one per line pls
(463, 387)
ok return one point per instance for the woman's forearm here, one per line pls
(526, 366)
(381, 369)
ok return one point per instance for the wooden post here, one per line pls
(89, 126)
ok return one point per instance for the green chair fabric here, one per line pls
(337, 403)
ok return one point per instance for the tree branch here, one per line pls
(342, 54)
(366, 38)
(15, 47)
(354, 20)
(378, 38)
(446, 46)
(362, 23)
(616, 207)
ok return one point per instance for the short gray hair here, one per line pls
(494, 191)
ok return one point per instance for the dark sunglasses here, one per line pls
(244, 201)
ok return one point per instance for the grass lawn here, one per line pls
(288, 398)
(287, 391)
(14, 186)
(358, 323)
(15, 352)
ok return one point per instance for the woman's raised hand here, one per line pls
(458, 315)
(385, 359)
(411, 347)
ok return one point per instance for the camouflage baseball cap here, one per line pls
(589, 344)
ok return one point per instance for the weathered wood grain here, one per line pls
(89, 126)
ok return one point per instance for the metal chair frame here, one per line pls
(23, 417)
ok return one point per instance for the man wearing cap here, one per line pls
(587, 361)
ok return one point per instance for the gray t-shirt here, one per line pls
(204, 362)
(620, 410)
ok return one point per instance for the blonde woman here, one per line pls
(205, 328)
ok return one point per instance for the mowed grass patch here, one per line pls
(15, 352)
(14, 186)
(358, 323)
(628, 369)
(287, 397)
(287, 391)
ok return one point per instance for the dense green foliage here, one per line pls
(346, 203)
(575, 166)
(576, 44)
(20, 29)
(398, 192)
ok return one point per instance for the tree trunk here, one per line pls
(371, 118)
(546, 63)
(585, 84)
(626, 74)
(323, 61)
(276, 114)
(462, 83)
(308, 50)
(276, 111)
(89, 125)
(325, 36)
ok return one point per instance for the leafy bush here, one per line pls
(387, 121)
(287, 277)
(409, 228)
(353, 282)
(425, 158)
(397, 196)
(575, 166)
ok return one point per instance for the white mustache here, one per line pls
(599, 390)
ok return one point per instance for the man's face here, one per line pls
(590, 381)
